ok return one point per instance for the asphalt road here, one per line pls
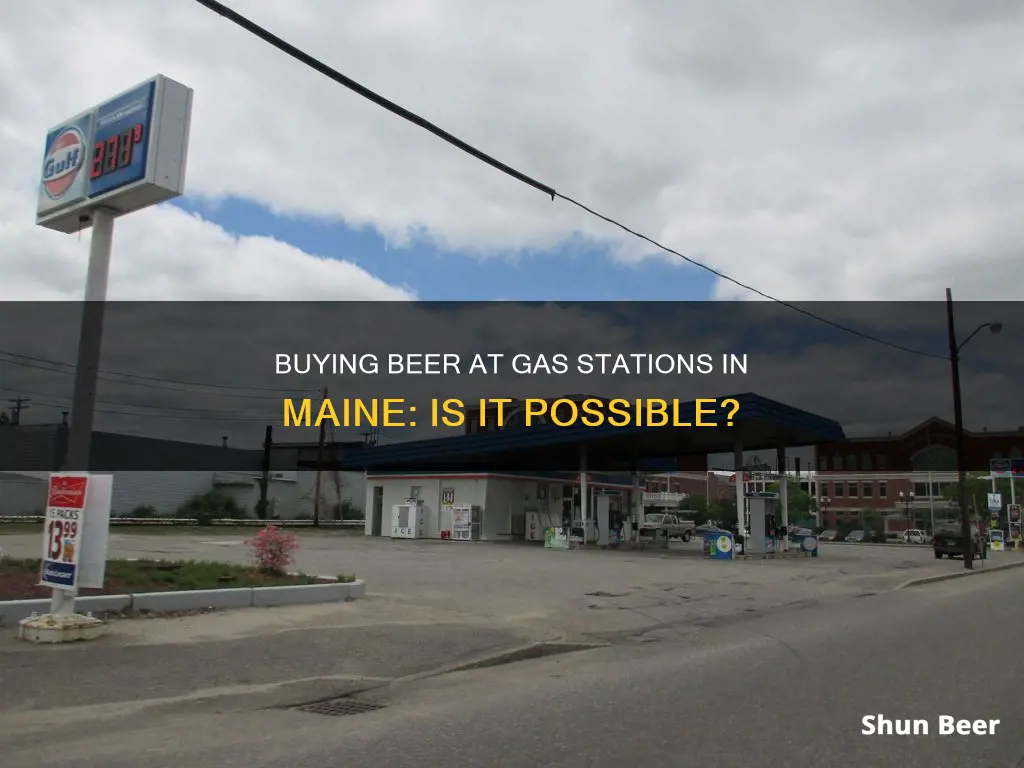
(787, 689)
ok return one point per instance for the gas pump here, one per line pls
(601, 519)
(615, 520)
(760, 516)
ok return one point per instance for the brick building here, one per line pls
(864, 477)
(711, 485)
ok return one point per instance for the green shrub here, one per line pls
(346, 510)
(144, 511)
(210, 506)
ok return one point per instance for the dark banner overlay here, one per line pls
(194, 386)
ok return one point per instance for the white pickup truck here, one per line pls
(672, 526)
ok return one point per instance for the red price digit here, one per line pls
(125, 145)
(72, 530)
(110, 155)
(55, 540)
(97, 160)
(137, 133)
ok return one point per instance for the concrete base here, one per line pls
(60, 629)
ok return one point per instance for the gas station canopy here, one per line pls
(760, 424)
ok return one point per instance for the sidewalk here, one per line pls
(346, 645)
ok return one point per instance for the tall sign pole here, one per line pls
(121, 156)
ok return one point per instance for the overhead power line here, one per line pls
(204, 412)
(213, 417)
(319, 66)
(151, 382)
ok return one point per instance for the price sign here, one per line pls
(62, 530)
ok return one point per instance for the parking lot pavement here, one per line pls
(430, 605)
(539, 591)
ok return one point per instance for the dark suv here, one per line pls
(949, 541)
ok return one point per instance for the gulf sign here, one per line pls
(63, 173)
(1013, 467)
(65, 157)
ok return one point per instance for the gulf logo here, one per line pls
(63, 162)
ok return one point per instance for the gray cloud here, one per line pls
(856, 151)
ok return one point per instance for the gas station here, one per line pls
(585, 479)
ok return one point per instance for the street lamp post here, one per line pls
(958, 417)
(907, 499)
(823, 503)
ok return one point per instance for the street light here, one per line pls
(907, 499)
(958, 417)
(823, 503)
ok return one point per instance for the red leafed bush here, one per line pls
(272, 549)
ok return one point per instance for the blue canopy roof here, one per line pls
(760, 423)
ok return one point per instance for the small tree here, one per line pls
(272, 549)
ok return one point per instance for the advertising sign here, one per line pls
(462, 522)
(1000, 468)
(995, 502)
(123, 155)
(718, 545)
(62, 529)
(1013, 512)
(555, 538)
(1015, 531)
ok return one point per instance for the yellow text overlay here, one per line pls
(452, 412)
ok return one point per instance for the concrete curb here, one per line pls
(12, 611)
(958, 575)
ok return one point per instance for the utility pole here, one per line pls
(268, 442)
(958, 418)
(18, 405)
(319, 468)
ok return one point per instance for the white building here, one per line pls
(505, 505)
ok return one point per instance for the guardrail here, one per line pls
(158, 522)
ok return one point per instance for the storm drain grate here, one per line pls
(340, 707)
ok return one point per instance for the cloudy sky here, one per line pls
(817, 151)
(836, 151)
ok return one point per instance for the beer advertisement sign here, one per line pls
(62, 530)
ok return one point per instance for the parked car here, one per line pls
(855, 537)
(672, 526)
(828, 535)
(948, 540)
(915, 536)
